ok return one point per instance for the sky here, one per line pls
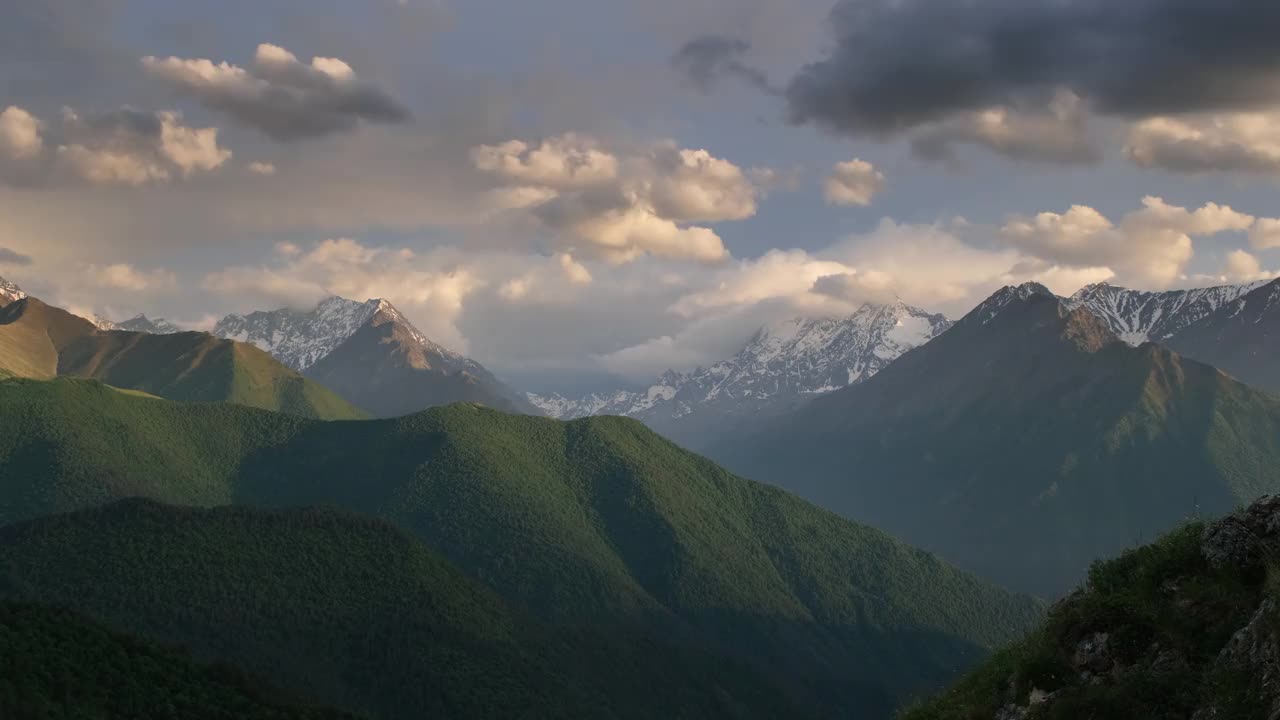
(576, 192)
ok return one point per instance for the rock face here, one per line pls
(1246, 539)
(1241, 338)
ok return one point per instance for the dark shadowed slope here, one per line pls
(57, 665)
(41, 341)
(1026, 442)
(597, 521)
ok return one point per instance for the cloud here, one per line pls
(565, 162)
(897, 65)
(125, 146)
(788, 274)
(707, 60)
(282, 96)
(13, 257)
(858, 288)
(1057, 133)
(264, 169)
(854, 182)
(1265, 234)
(124, 276)
(20, 137)
(431, 288)
(621, 206)
(1150, 246)
(1232, 142)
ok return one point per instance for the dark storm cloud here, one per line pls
(281, 96)
(898, 64)
(709, 59)
(12, 257)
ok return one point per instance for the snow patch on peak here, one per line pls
(797, 357)
(299, 338)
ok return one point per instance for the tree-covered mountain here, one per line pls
(1188, 627)
(357, 614)
(58, 665)
(593, 522)
(370, 354)
(41, 341)
(1026, 442)
(1241, 337)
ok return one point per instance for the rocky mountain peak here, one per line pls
(10, 292)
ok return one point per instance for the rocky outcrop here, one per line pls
(1186, 628)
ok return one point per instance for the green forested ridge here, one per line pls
(357, 614)
(1025, 443)
(1186, 627)
(40, 341)
(56, 665)
(596, 522)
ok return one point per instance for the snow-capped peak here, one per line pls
(299, 338)
(1138, 317)
(9, 292)
(796, 357)
(1002, 298)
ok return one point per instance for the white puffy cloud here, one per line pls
(778, 274)
(564, 162)
(282, 96)
(621, 206)
(1233, 142)
(1265, 234)
(124, 276)
(20, 137)
(853, 182)
(1057, 133)
(125, 146)
(1150, 247)
(694, 186)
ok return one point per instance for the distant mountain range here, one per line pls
(625, 546)
(780, 366)
(370, 354)
(1241, 337)
(1026, 442)
(139, 323)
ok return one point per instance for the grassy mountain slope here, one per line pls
(40, 341)
(355, 613)
(1188, 627)
(389, 369)
(56, 665)
(597, 521)
(1025, 443)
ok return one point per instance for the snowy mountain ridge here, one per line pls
(138, 323)
(9, 292)
(1138, 316)
(794, 358)
(299, 338)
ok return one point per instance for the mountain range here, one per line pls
(41, 341)
(780, 366)
(597, 523)
(139, 323)
(1138, 317)
(370, 354)
(1025, 443)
